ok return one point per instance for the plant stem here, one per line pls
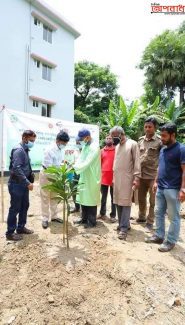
(64, 221)
(67, 225)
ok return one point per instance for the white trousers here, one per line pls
(48, 205)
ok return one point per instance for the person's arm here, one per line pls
(137, 166)
(182, 190)
(154, 188)
(80, 166)
(48, 159)
(18, 159)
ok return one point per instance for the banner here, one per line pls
(46, 129)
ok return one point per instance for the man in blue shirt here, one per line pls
(170, 186)
(19, 185)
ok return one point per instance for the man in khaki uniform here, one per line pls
(149, 145)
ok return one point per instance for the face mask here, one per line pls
(82, 143)
(116, 140)
(29, 145)
(61, 146)
(79, 146)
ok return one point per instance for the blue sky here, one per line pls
(116, 33)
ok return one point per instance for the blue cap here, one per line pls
(82, 134)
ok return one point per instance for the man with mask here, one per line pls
(170, 186)
(19, 185)
(88, 167)
(53, 156)
(125, 178)
(107, 159)
(115, 133)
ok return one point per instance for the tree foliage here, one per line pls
(132, 117)
(163, 62)
(95, 86)
(81, 117)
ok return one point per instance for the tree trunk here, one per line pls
(181, 99)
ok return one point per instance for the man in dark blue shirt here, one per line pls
(19, 185)
(170, 185)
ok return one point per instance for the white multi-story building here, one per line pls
(37, 59)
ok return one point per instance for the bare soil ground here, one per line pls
(100, 280)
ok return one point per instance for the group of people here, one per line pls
(154, 166)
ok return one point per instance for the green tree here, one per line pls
(122, 115)
(163, 62)
(132, 117)
(81, 117)
(95, 86)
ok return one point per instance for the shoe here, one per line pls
(57, 220)
(14, 237)
(45, 224)
(153, 239)
(103, 217)
(74, 210)
(122, 235)
(79, 221)
(113, 219)
(25, 231)
(118, 228)
(166, 246)
(138, 220)
(148, 227)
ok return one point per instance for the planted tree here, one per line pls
(62, 185)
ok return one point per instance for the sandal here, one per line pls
(57, 220)
(122, 235)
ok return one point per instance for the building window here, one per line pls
(47, 34)
(36, 21)
(37, 63)
(46, 110)
(46, 72)
(35, 103)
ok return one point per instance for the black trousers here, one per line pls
(104, 192)
(75, 182)
(89, 214)
(19, 204)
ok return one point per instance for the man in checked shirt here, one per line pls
(53, 156)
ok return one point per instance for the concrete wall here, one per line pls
(20, 78)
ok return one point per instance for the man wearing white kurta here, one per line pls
(53, 156)
(126, 178)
